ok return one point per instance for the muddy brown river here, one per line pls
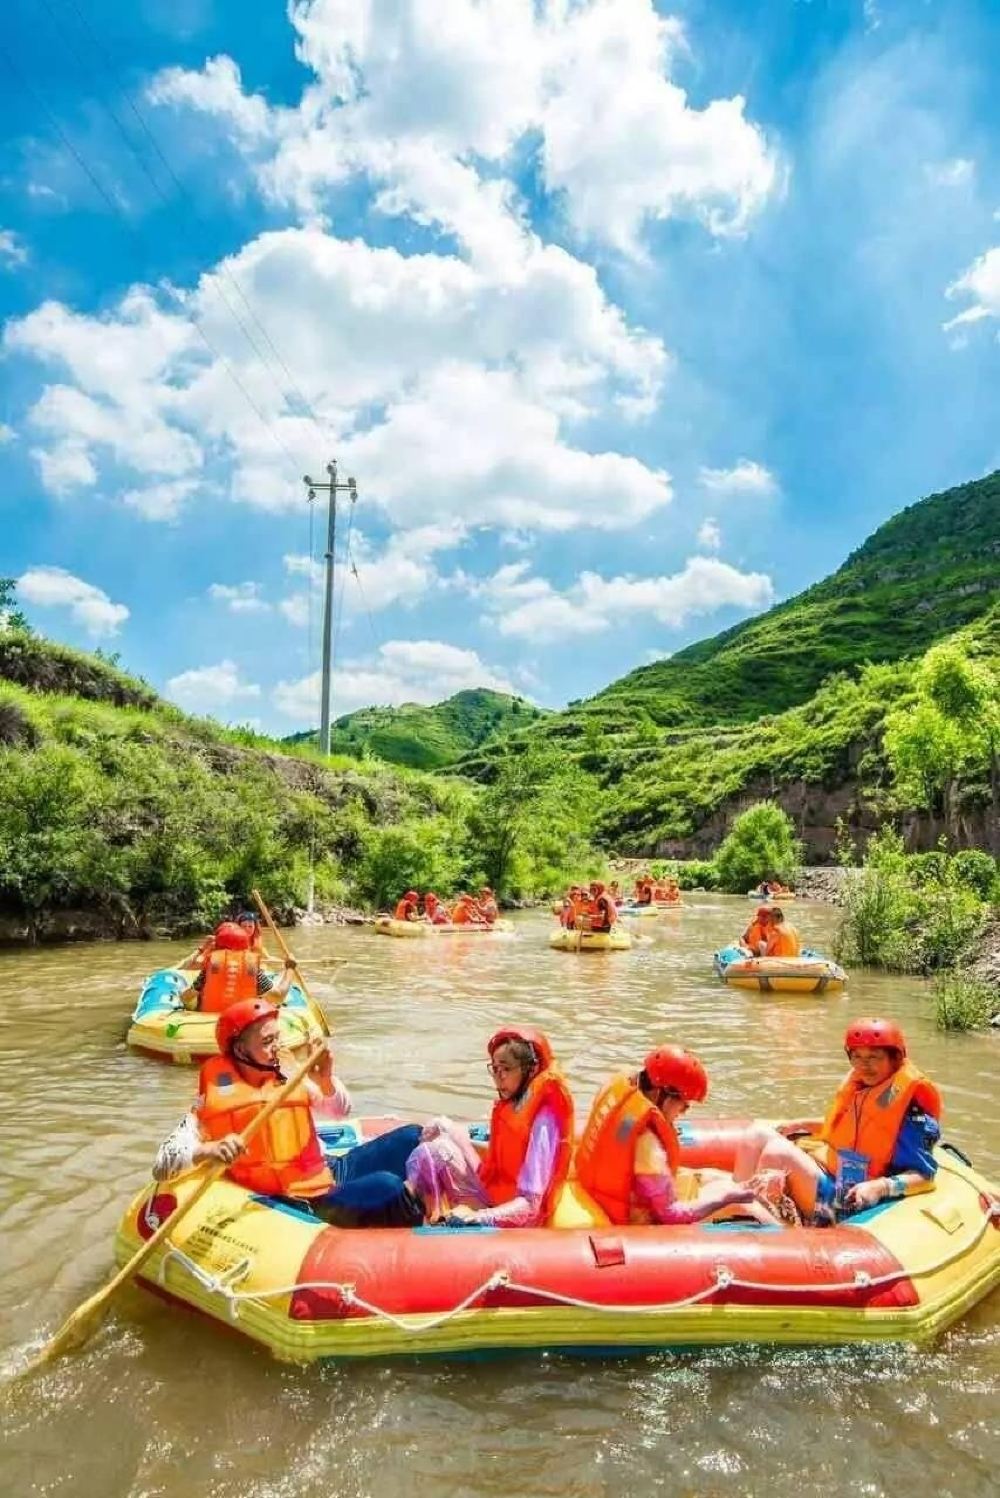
(164, 1403)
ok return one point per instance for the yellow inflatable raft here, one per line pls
(808, 973)
(163, 1028)
(387, 925)
(615, 940)
(903, 1271)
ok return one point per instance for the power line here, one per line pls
(25, 83)
(108, 64)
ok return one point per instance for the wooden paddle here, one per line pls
(81, 1325)
(282, 945)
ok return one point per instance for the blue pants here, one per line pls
(369, 1188)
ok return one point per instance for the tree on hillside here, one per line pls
(10, 615)
(953, 726)
(537, 811)
(761, 844)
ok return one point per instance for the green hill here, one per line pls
(428, 738)
(929, 570)
(790, 705)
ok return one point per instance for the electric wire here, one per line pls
(221, 272)
(135, 235)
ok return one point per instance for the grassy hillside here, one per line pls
(929, 570)
(789, 704)
(428, 738)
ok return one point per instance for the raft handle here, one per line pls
(953, 1149)
(609, 1253)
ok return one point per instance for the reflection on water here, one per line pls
(162, 1404)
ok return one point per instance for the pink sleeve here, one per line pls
(525, 1210)
(659, 1197)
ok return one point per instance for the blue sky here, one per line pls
(628, 319)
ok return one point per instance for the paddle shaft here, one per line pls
(89, 1310)
(286, 954)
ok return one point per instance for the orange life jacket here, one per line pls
(405, 910)
(510, 1131)
(462, 914)
(605, 1156)
(602, 913)
(868, 1119)
(229, 977)
(644, 894)
(783, 941)
(755, 934)
(284, 1158)
(489, 911)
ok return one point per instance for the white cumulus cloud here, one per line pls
(709, 534)
(208, 689)
(239, 598)
(400, 671)
(13, 250)
(530, 607)
(981, 284)
(745, 477)
(89, 606)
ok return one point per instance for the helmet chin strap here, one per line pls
(269, 1068)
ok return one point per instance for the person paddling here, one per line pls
(783, 939)
(365, 1188)
(232, 972)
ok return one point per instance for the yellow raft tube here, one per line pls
(387, 925)
(161, 1026)
(903, 1271)
(809, 973)
(615, 940)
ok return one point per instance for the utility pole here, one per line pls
(333, 488)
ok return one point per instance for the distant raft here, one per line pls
(387, 925)
(777, 898)
(810, 972)
(901, 1271)
(162, 1027)
(638, 912)
(615, 940)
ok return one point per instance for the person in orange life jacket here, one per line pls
(571, 900)
(434, 911)
(408, 908)
(603, 914)
(285, 1160)
(644, 891)
(615, 891)
(488, 908)
(232, 972)
(875, 1143)
(465, 912)
(757, 935)
(628, 1157)
(531, 1135)
(783, 939)
(248, 922)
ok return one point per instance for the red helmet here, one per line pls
(485, 890)
(539, 1043)
(883, 1033)
(234, 1020)
(231, 938)
(673, 1067)
(763, 912)
(431, 898)
(411, 894)
(597, 886)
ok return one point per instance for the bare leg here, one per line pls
(763, 1148)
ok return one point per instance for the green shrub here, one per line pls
(976, 871)
(876, 930)
(417, 855)
(761, 845)
(962, 1002)
(697, 873)
(948, 919)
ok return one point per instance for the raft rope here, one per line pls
(224, 1286)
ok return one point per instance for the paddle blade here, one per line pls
(75, 1332)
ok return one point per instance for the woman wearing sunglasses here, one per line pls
(531, 1140)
